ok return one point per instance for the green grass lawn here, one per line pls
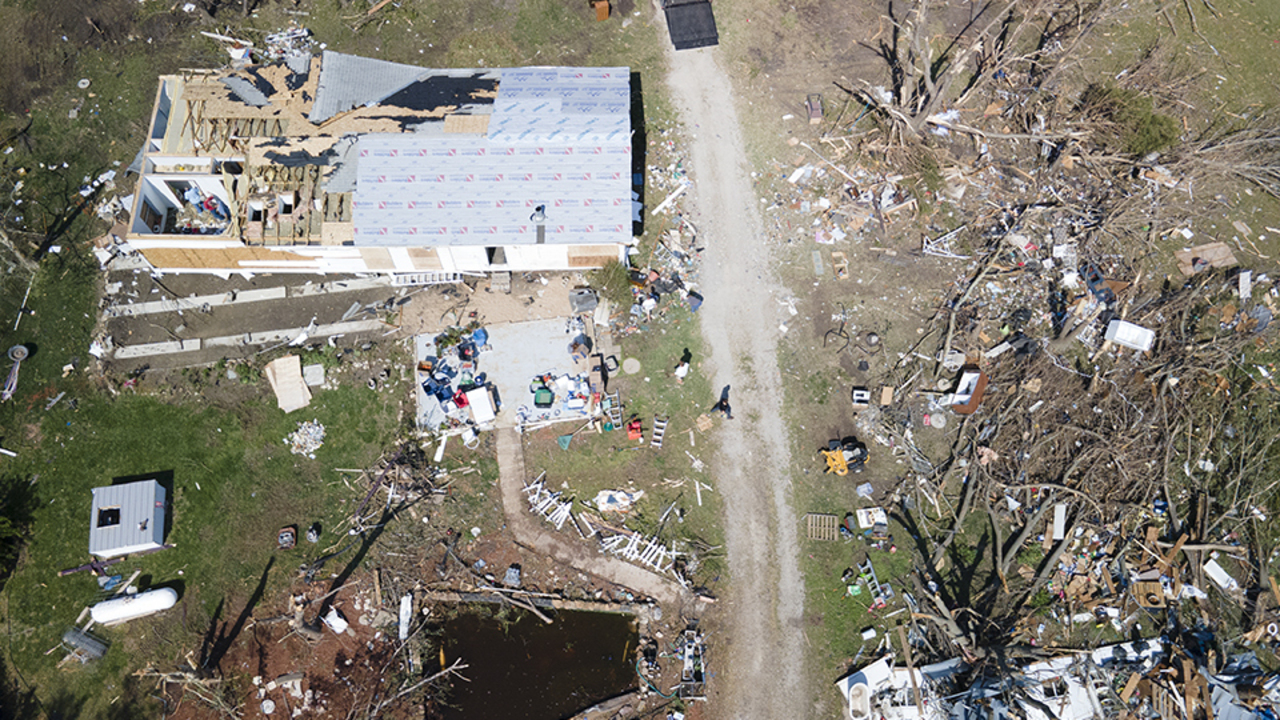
(235, 483)
(609, 461)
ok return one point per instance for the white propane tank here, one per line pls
(128, 607)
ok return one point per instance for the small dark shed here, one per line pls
(691, 24)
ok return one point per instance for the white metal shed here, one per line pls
(127, 518)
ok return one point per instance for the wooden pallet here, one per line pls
(822, 527)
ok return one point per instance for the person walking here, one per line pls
(722, 406)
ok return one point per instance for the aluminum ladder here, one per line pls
(659, 430)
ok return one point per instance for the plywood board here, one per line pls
(1217, 254)
(587, 256)
(377, 259)
(469, 124)
(337, 233)
(425, 259)
(216, 258)
(285, 376)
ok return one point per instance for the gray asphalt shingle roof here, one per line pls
(351, 81)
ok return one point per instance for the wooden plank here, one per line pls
(1188, 686)
(1167, 561)
(911, 668)
(1130, 687)
(1206, 694)
(1106, 577)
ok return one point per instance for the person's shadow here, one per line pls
(687, 357)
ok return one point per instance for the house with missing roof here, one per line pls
(344, 164)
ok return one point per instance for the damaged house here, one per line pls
(345, 164)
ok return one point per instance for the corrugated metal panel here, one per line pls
(141, 526)
(350, 81)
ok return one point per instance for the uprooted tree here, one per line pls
(1033, 38)
(1110, 170)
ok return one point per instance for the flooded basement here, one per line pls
(524, 669)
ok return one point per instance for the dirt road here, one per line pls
(762, 674)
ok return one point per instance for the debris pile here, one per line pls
(288, 44)
(669, 272)
(455, 396)
(1143, 678)
(646, 551)
(306, 439)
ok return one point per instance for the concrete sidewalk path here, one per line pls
(531, 533)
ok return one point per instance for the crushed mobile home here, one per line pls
(344, 164)
(1143, 678)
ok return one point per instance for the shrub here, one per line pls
(1139, 129)
(613, 282)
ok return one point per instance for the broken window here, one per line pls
(108, 516)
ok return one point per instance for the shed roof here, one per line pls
(133, 519)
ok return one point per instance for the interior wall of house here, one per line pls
(155, 194)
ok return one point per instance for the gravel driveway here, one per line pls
(761, 667)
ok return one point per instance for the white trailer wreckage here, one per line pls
(1079, 686)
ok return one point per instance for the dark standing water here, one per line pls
(528, 670)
